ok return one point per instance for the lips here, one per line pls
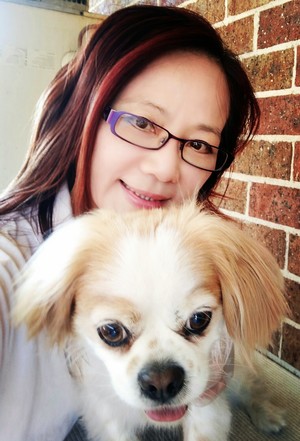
(139, 195)
(144, 199)
(166, 414)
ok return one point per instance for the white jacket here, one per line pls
(37, 395)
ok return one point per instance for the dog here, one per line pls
(148, 306)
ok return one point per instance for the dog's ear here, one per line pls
(46, 287)
(251, 283)
(45, 295)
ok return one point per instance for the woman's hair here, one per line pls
(73, 105)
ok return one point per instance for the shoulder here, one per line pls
(18, 238)
(20, 231)
(17, 244)
(18, 241)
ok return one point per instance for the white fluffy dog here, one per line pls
(148, 305)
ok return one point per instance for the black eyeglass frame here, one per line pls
(112, 116)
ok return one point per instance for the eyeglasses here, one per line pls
(142, 132)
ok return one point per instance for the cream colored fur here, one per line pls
(150, 275)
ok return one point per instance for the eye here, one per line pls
(141, 122)
(144, 124)
(200, 146)
(114, 334)
(198, 322)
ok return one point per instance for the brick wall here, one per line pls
(264, 189)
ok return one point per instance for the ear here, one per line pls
(45, 293)
(251, 283)
(47, 287)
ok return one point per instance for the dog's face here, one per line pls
(153, 319)
(153, 297)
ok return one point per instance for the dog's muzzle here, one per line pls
(161, 381)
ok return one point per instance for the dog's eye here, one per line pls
(113, 334)
(198, 322)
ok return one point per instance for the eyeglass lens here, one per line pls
(143, 133)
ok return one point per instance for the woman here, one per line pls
(151, 111)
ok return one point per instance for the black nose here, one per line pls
(161, 381)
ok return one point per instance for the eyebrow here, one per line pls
(210, 129)
(147, 103)
(201, 126)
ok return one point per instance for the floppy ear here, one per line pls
(251, 283)
(47, 287)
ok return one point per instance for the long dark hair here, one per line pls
(71, 108)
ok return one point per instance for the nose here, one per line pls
(161, 381)
(164, 163)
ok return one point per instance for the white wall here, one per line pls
(33, 42)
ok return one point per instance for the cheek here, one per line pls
(192, 179)
(111, 154)
(102, 166)
(107, 160)
(103, 154)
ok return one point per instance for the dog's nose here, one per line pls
(161, 381)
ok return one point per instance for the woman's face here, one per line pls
(185, 93)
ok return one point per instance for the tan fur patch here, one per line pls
(132, 365)
(152, 344)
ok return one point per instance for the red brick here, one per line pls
(294, 255)
(262, 158)
(236, 194)
(274, 240)
(237, 6)
(239, 35)
(280, 24)
(212, 10)
(290, 345)
(275, 204)
(169, 2)
(274, 346)
(297, 162)
(293, 298)
(273, 71)
(297, 81)
(280, 115)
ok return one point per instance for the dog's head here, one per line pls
(153, 296)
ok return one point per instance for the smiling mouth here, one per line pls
(166, 414)
(144, 197)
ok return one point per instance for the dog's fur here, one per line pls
(147, 305)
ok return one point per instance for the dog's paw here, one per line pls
(266, 416)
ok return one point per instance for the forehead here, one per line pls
(153, 270)
(179, 88)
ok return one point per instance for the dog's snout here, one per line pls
(161, 381)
